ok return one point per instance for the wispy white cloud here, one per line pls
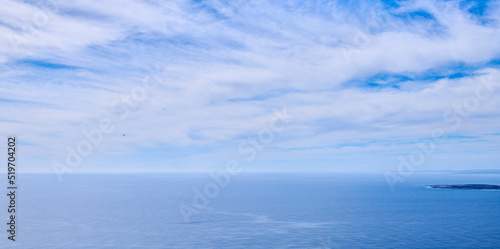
(225, 68)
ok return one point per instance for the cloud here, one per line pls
(360, 78)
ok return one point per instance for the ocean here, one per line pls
(252, 210)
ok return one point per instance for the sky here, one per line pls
(178, 85)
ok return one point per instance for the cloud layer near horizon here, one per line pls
(363, 81)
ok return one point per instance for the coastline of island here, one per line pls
(466, 186)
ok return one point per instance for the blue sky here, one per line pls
(364, 82)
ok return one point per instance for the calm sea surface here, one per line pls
(254, 210)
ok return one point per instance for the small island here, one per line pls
(467, 186)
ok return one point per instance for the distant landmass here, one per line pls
(480, 171)
(467, 171)
(467, 186)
